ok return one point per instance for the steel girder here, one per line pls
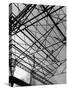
(39, 31)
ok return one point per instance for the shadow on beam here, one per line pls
(17, 81)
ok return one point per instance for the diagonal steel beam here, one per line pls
(34, 22)
(64, 38)
(39, 47)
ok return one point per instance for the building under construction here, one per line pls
(37, 44)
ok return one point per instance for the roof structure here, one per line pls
(37, 41)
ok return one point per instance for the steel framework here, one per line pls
(37, 40)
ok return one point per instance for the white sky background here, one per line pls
(4, 72)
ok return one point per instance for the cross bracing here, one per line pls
(37, 40)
